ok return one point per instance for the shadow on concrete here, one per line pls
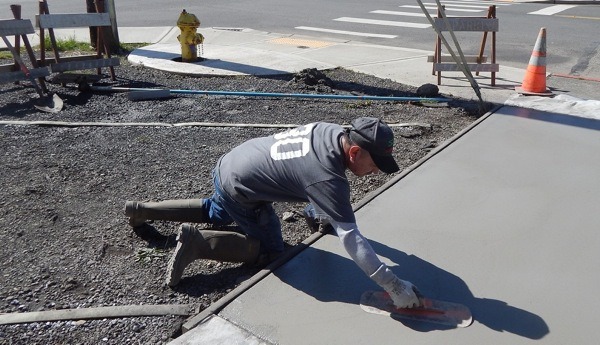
(241, 68)
(213, 63)
(155, 54)
(336, 278)
(562, 119)
(440, 284)
(483, 81)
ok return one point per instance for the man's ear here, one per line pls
(353, 152)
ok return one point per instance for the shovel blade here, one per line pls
(49, 104)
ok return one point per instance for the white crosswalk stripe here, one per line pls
(398, 13)
(467, 2)
(419, 21)
(456, 4)
(485, 2)
(342, 32)
(382, 22)
(434, 8)
(548, 11)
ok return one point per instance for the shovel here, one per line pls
(48, 103)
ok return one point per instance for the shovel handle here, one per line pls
(22, 66)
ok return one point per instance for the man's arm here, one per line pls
(403, 293)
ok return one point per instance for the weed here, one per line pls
(68, 44)
(147, 255)
(5, 54)
(129, 47)
(359, 104)
(143, 139)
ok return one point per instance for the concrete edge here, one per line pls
(216, 307)
(217, 330)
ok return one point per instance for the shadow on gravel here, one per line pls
(20, 110)
(81, 99)
(371, 90)
(154, 238)
(311, 80)
(14, 108)
(204, 284)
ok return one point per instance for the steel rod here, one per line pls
(272, 94)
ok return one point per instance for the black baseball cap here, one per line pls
(375, 136)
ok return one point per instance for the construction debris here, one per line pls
(312, 77)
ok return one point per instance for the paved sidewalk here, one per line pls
(503, 219)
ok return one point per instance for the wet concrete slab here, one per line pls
(503, 219)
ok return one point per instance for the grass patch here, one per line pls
(5, 54)
(71, 45)
(68, 44)
(127, 48)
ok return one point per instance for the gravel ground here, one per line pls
(65, 241)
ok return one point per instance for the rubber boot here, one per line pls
(185, 210)
(193, 244)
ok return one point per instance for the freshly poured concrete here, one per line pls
(504, 220)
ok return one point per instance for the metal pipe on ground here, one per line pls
(137, 94)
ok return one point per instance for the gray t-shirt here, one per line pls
(304, 164)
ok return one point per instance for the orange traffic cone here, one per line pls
(534, 82)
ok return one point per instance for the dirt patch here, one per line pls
(65, 241)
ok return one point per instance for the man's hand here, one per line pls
(403, 293)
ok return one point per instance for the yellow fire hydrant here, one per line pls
(189, 39)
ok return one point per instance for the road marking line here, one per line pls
(577, 17)
(576, 77)
(474, 2)
(456, 5)
(382, 22)
(353, 33)
(398, 13)
(548, 11)
(447, 9)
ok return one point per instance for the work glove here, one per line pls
(315, 224)
(403, 293)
